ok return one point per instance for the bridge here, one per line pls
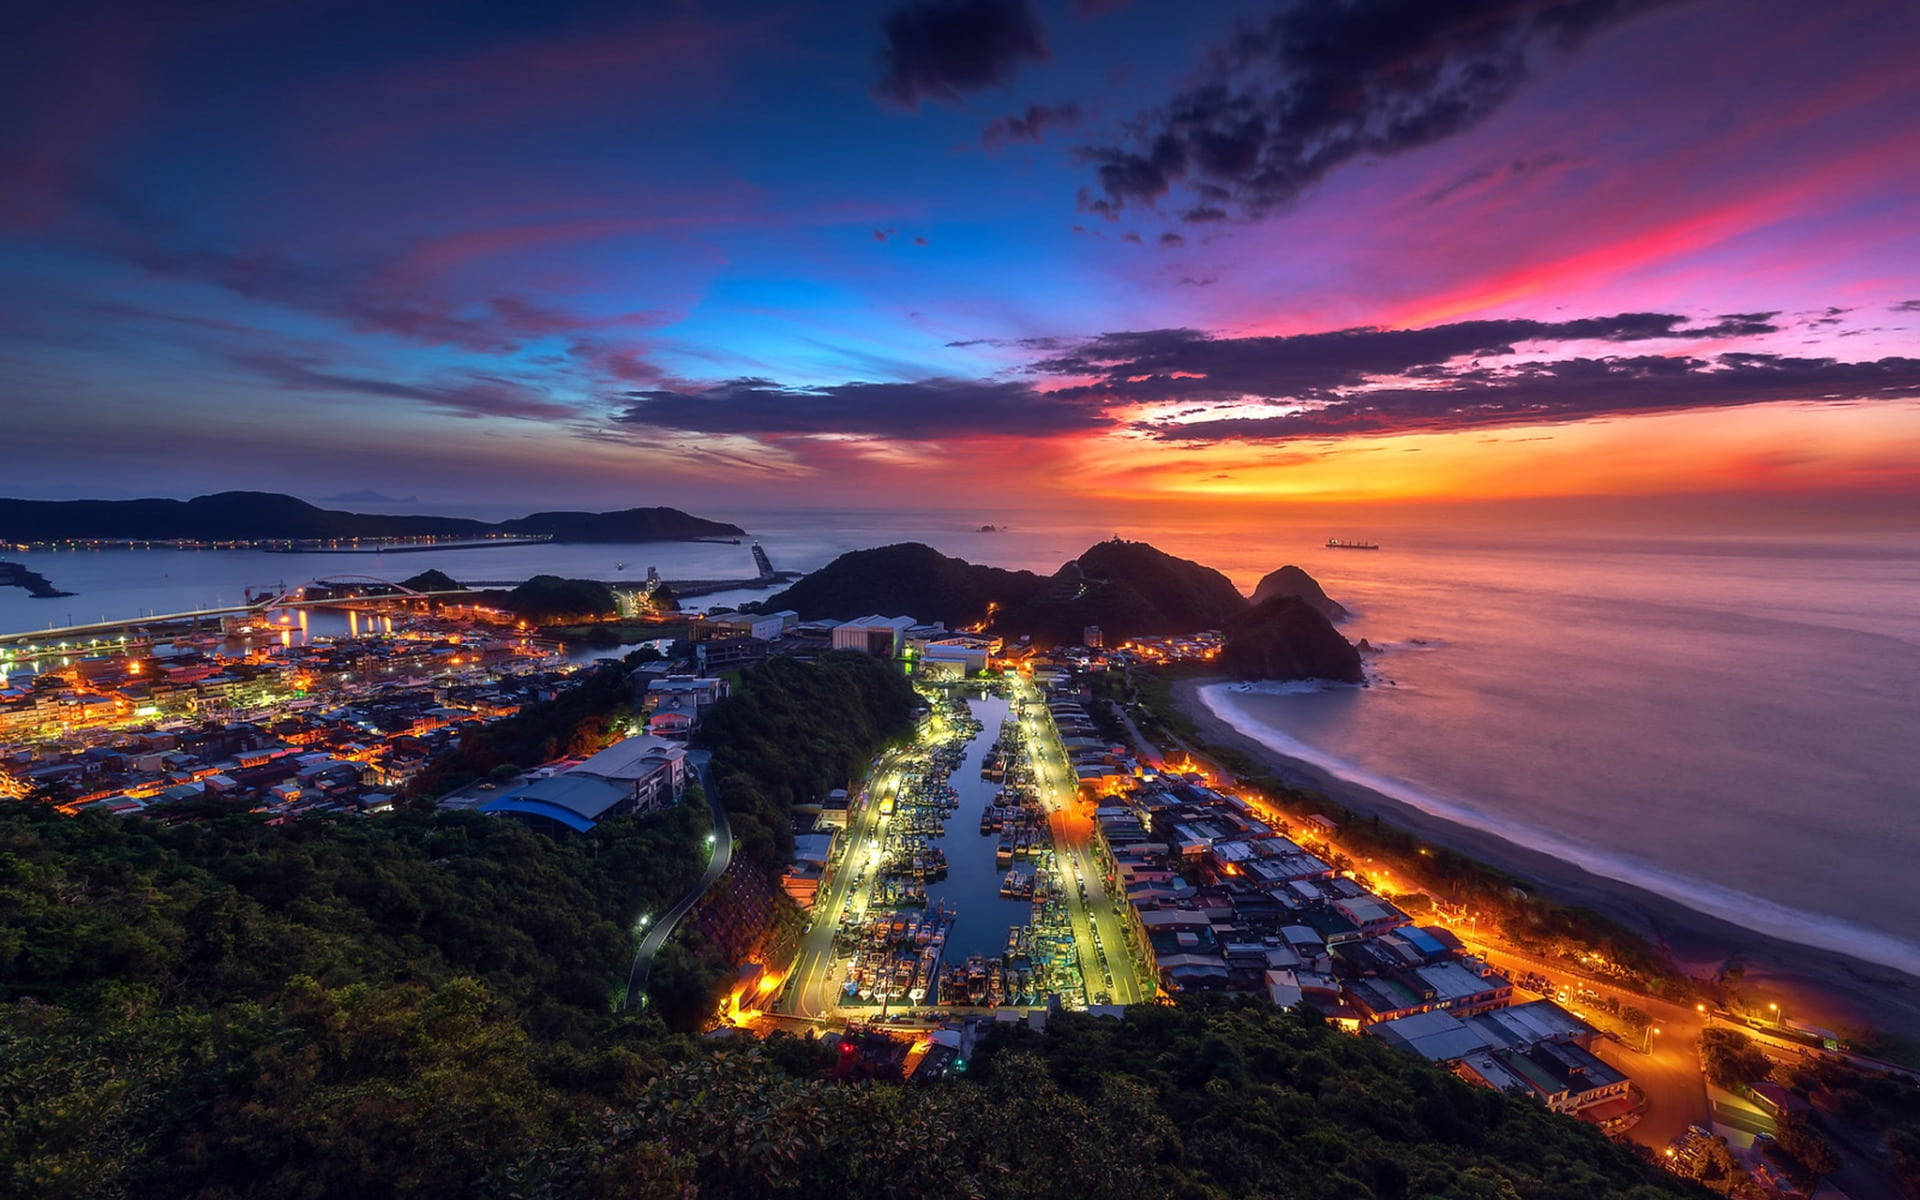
(97, 634)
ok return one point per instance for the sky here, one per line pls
(1072, 254)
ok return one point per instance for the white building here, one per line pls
(884, 637)
(635, 774)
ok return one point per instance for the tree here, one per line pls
(1796, 1137)
(1731, 1059)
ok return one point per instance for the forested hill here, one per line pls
(269, 515)
(1128, 589)
(907, 579)
(791, 732)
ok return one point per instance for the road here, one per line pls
(1073, 834)
(659, 931)
(1668, 1072)
(813, 977)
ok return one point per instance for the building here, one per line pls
(675, 703)
(637, 774)
(765, 626)
(884, 637)
(1564, 1077)
(953, 657)
(1539, 1049)
(1092, 638)
(731, 653)
(802, 878)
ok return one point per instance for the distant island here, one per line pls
(271, 516)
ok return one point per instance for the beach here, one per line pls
(1822, 985)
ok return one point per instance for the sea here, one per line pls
(1730, 722)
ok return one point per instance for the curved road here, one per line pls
(716, 867)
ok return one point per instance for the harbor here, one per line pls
(955, 900)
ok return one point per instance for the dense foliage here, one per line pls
(1196, 1100)
(224, 1007)
(549, 599)
(791, 732)
(1730, 1058)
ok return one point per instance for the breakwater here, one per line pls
(13, 574)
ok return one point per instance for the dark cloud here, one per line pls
(1318, 85)
(1172, 239)
(1030, 126)
(1740, 325)
(941, 49)
(1493, 176)
(469, 394)
(923, 409)
(367, 302)
(1130, 237)
(1906, 306)
(1203, 214)
(1568, 390)
(1097, 8)
(1166, 362)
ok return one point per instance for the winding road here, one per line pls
(716, 867)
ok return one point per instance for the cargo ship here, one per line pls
(1343, 544)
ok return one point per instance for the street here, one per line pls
(1106, 953)
(1100, 936)
(1669, 1073)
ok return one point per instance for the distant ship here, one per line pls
(1338, 544)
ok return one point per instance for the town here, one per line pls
(1028, 852)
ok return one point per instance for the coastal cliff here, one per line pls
(1286, 638)
(1292, 581)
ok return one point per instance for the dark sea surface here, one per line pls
(1733, 723)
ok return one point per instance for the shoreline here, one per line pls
(1826, 986)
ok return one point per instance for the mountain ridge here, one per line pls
(241, 515)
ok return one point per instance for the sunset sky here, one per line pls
(1065, 252)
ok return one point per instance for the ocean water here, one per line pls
(1734, 725)
(1730, 722)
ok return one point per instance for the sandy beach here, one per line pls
(1823, 985)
